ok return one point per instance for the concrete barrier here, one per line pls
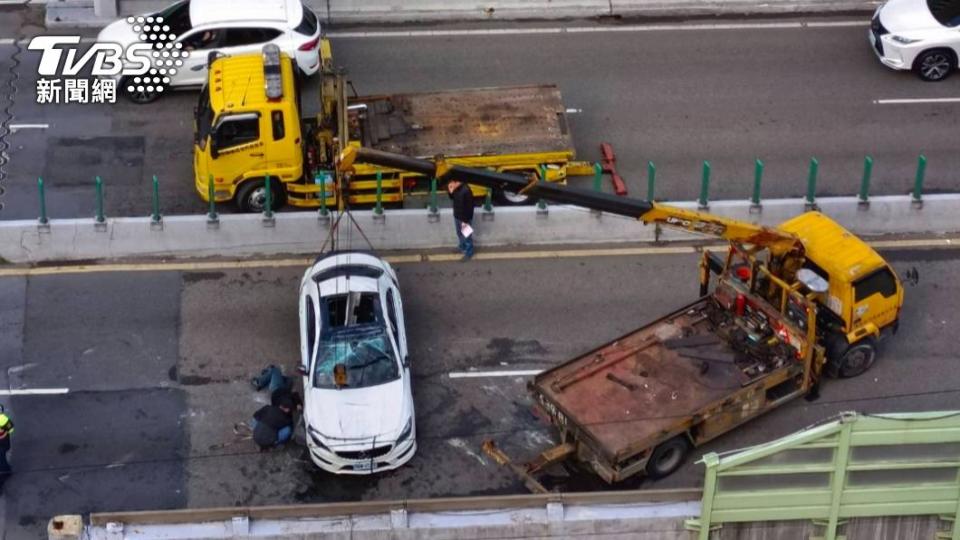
(304, 233)
(81, 13)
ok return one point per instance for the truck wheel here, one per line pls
(252, 195)
(668, 457)
(507, 198)
(857, 358)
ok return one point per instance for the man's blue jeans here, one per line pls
(271, 378)
(466, 242)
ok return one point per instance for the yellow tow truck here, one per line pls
(787, 304)
(249, 127)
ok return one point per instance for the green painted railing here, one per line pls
(858, 465)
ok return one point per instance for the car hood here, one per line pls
(907, 15)
(358, 413)
(119, 32)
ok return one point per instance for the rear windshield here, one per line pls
(308, 25)
(947, 12)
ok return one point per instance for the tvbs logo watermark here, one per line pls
(144, 67)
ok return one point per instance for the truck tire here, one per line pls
(668, 457)
(505, 198)
(251, 196)
(855, 359)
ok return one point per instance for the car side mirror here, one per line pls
(302, 371)
(214, 151)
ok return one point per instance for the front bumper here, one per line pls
(887, 51)
(335, 463)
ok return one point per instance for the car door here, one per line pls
(199, 44)
(395, 314)
(309, 331)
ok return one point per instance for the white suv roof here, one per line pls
(204, 12)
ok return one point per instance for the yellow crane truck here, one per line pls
(248, 127)
(788, 303)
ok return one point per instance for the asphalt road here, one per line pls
(157, 364)
(675, 96)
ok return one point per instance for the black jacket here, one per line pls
(462, 203)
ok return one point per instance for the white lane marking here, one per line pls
(15, 127)
(574, 111)
(479, 374)
(912, 101)
(597, 29)
(35, 392)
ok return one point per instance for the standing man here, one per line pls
(6, 430)
(462, 199)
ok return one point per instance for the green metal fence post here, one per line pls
(811, 200)
(757, 181)
(704, 200)
(155, 215)
(488, 201)
(99, 188)
(651, 179)
(918, 182)
(212, 213)
(267, 199)
(43, 202)
(323, 195)
(597, 177)
(542, 204)
(433, 196)
(378, 209)
(864, 195)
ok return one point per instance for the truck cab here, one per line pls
(245, 131)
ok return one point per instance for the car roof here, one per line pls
(206, 12)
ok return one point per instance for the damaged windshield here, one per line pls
(365, 352)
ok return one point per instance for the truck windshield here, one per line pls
(366, 353)
(204, 118)
(946, 12)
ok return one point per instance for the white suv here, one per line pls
(218, 27)
(918, 35)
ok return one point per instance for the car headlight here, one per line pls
(903, 40)
(407, 430)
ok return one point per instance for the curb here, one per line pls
(291, 233)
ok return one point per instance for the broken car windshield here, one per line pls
(364, 350)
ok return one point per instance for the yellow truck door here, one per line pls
(237, 147)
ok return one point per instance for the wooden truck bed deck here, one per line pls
(479, 121)
(632, 392)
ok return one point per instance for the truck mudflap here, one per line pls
(526, 472)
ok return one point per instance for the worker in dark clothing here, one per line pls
(6, 431)
(463, 204)
(272, 426)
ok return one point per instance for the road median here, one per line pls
(305, 233)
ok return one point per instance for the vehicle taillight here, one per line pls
(310, 45)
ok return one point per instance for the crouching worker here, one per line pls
(273, 425)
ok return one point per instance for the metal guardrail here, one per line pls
(507, 502)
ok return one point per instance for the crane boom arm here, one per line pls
(778, 242)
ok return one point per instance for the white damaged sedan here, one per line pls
(358, 404)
